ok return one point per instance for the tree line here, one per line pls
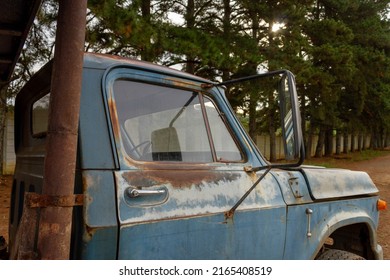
(337, 49)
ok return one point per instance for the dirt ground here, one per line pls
(378, 169)
(5, 191)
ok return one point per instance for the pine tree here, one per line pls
(332, 69)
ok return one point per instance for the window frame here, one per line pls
(227, 126)
(147, 78)
(41, 134)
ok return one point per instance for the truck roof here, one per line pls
(105, 61)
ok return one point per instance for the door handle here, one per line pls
(134, 192)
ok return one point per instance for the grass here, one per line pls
(369, 154)
(336, 160)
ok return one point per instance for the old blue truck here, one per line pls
(166, 171)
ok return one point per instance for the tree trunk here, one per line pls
(145, 10)
(328, 142)
(309, 143)
(320, 143)
(387, 139)
(252, 116)
(338, 142)
(360, 142)
(345, 142)
(226, 35)
(364, 141)
(382, 138)
(353, 146)
(190, 23)
(272, 137)
(372, 140)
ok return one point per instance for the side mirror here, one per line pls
(290, 116)
(276, 95)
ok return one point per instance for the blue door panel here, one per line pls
(250, 235)
(188, 222)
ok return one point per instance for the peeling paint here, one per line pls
(337, 183)
(203, 194)
(184, 216)
(177, 178)
(326, 218)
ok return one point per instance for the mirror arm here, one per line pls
(267, 74)
(229, 214)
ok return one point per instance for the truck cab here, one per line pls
(166, 171)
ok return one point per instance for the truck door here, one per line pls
(182, 166)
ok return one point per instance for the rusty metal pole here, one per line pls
(55, 222)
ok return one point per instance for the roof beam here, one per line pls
(10, 32)
(16, 19)
(5, 60)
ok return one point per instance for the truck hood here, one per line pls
(332, 183)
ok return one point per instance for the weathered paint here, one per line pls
(293, 186)
(249, 236)
(99, 198)
(337, 183)
(194, 214)
(197, 196)
(325, 219)
(101, 245)
(95, 143)
(187, 220)
(100, 219)
(204, 197)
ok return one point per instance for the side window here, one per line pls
(168, 124)
(40, 116)
(225, 147)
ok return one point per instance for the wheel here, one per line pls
(333, 254)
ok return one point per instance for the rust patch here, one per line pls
(114, 117)
(88, 183)
(85, 183)
(253, 176)
(229, 215)
(34, 200)
(168, 165)
(89, 232)
(184, 83)
(177, 178)
(50, 228)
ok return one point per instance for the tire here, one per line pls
(333, 254)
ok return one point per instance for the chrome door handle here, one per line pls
(133, 192)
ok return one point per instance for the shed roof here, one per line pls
(16, 18)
